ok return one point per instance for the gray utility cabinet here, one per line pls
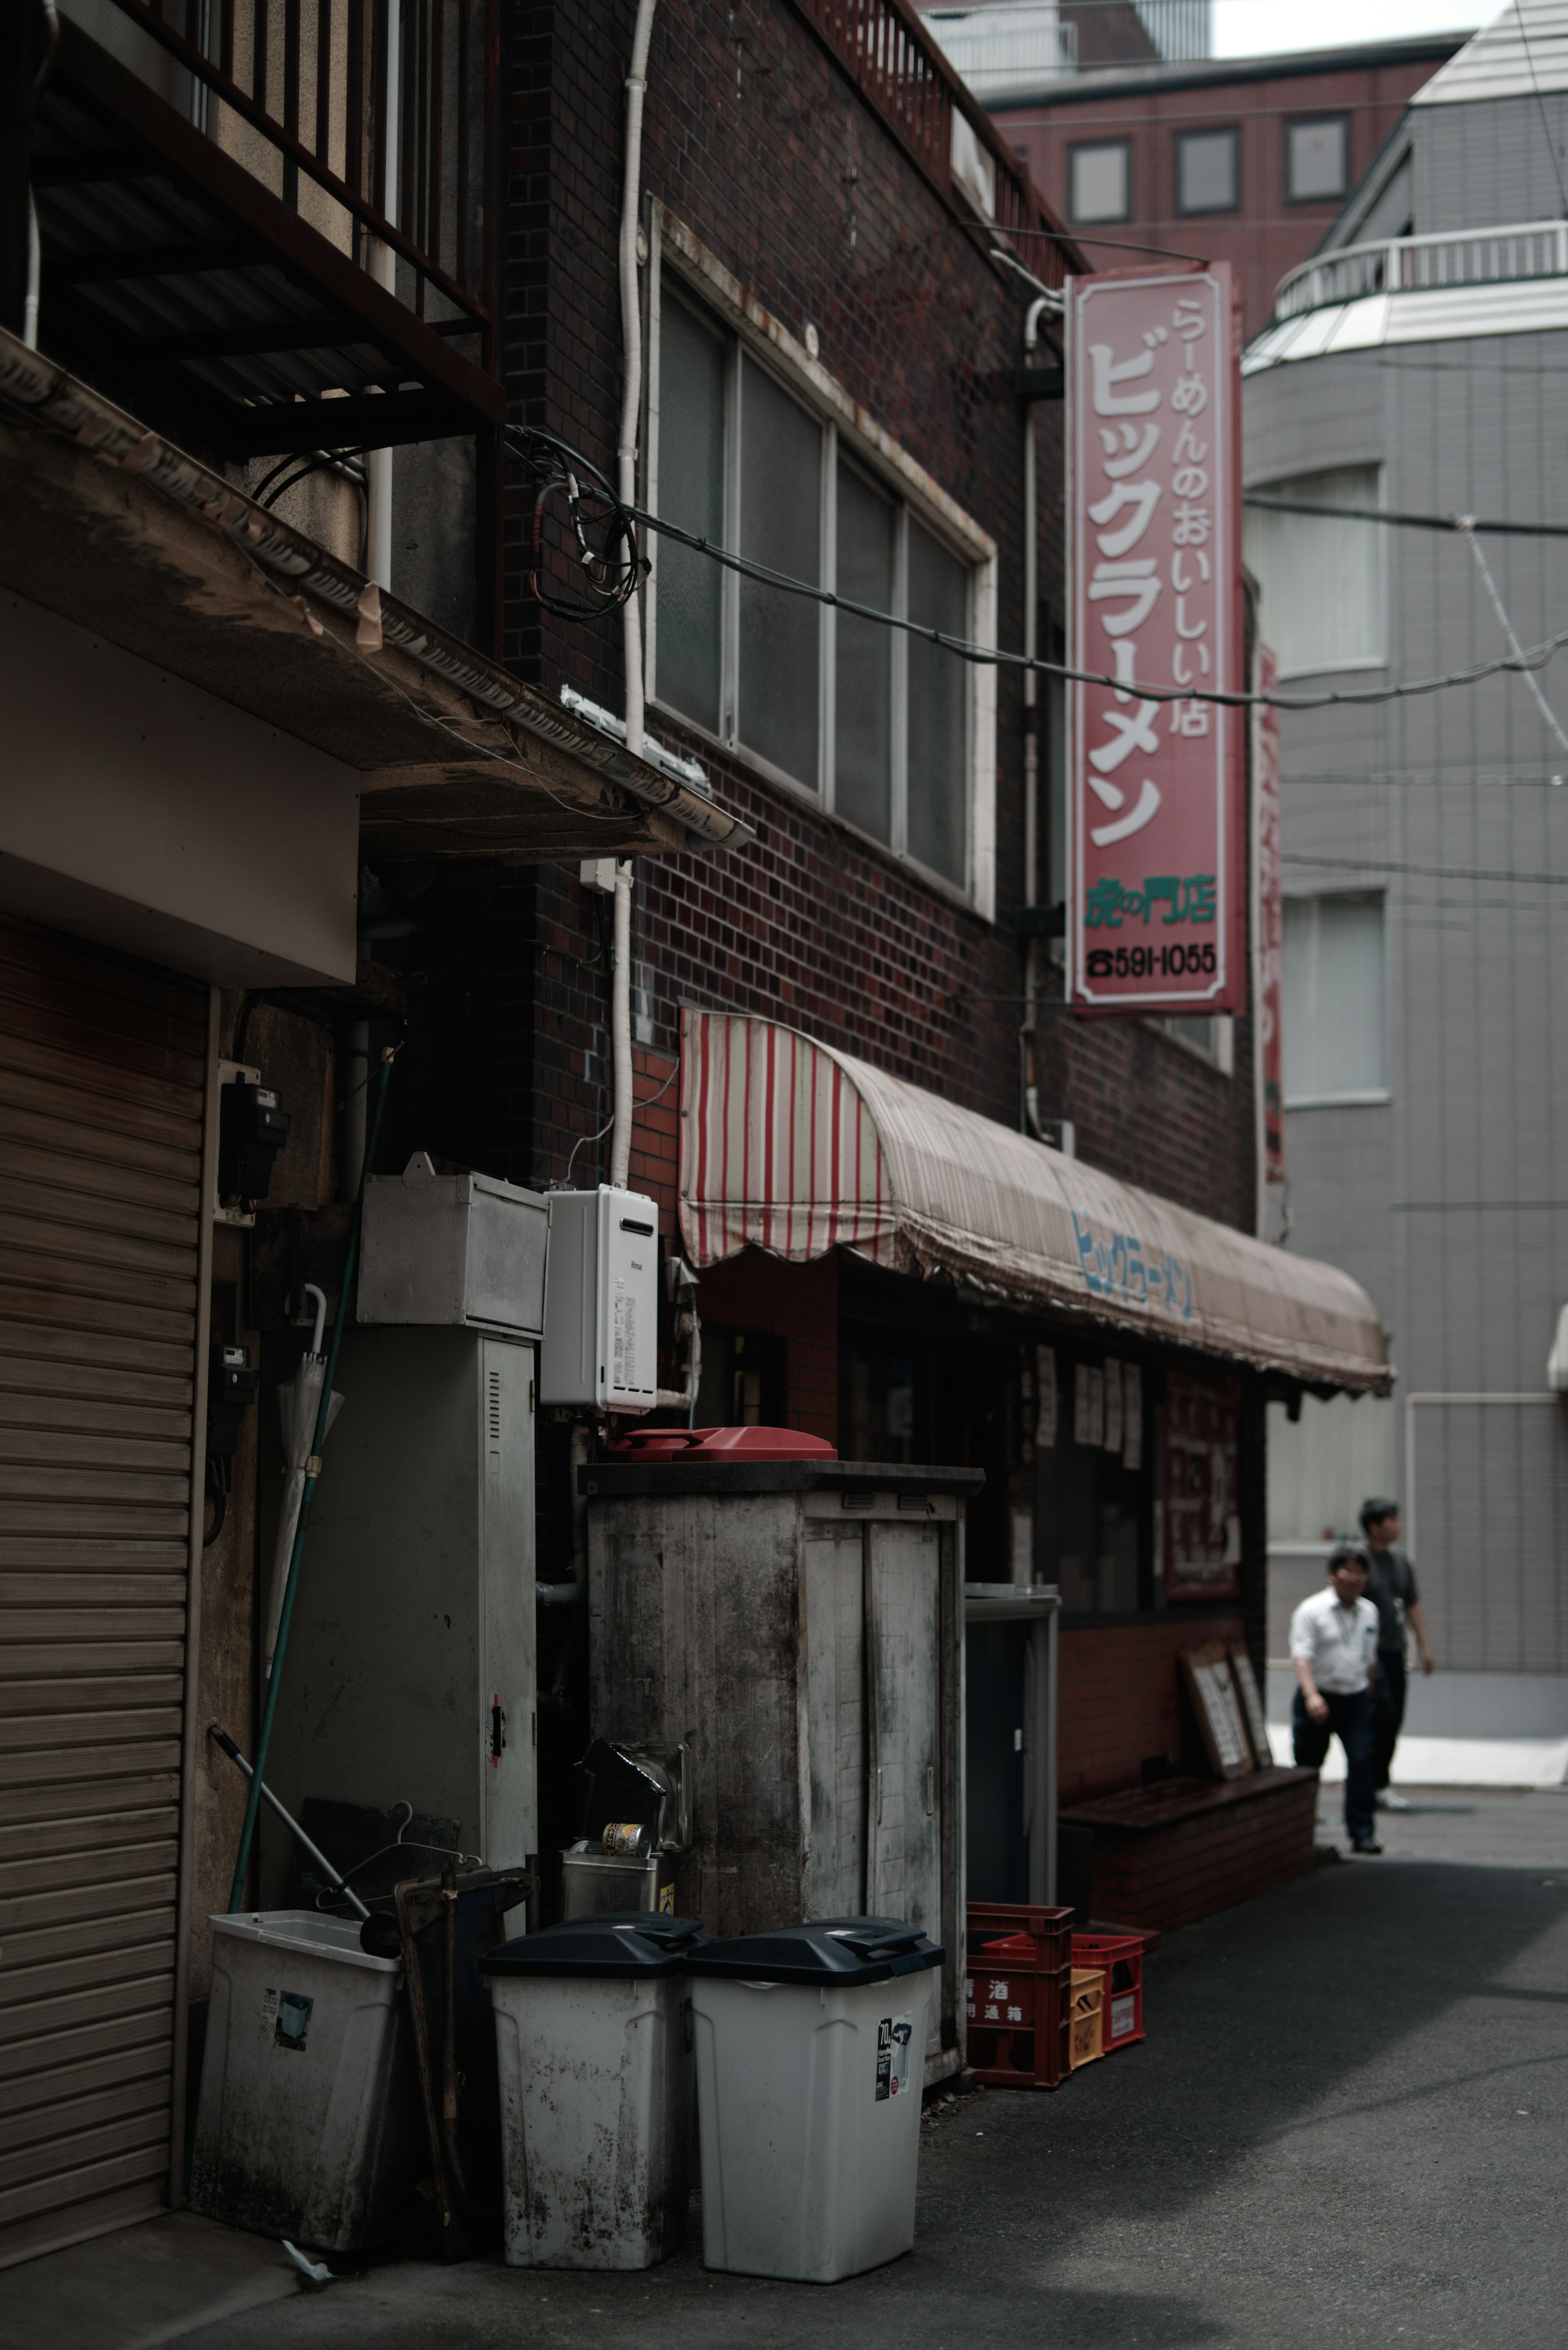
(410, 1673)
(799, 1625)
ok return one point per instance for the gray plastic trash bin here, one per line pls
(810, 2065)
(594, 2048)
(309, 2123)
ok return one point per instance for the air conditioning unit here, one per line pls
(601, 1301)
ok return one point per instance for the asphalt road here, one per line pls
(1348, 2126)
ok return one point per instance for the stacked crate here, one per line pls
(1017, 1995)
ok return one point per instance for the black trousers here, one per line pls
(1387, 1711)
(1349, 1718)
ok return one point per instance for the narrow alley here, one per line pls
(1346, 2125)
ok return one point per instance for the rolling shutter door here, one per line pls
(102, 1063)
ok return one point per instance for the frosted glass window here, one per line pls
(878, 726)
(939, 705)
(1335, 992)
(1206, 172)
(1316, 159)
(1321, 575)
(781, 502)
(1097, 181)
(863, 681)
(688, 646)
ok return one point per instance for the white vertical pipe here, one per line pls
(631, 344)
(384, 269)
(1031, 725)
(631, 631)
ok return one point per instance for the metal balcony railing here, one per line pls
(901, 71)
(1410, 265)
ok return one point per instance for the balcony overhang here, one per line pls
(175, 277)
(114, 528)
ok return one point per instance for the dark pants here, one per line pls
(1387, 1711)
(1349, 1718)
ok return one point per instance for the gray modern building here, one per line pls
(1414, 367)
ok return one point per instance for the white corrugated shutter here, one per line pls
(102, 1061)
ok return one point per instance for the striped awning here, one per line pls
(795, 1148)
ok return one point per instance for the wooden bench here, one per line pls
(1169, 1854)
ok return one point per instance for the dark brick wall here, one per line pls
(756, 140)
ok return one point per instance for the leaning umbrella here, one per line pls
(299, 1406)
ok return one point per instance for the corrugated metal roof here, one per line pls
(1522, 51)
(795, 1148)
(1448, 314)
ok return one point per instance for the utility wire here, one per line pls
(1468, 526)
(1470, 523)
(1428, 872)
(992, 656)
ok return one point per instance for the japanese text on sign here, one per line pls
(1154, 789)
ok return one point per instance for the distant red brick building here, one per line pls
(1245, 160)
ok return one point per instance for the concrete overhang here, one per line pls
(119, 531)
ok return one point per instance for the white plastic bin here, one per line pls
(594, 2048)
(309, 2123)
(810, 2063)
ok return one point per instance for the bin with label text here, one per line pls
(810, 2048)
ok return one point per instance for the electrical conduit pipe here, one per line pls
(631, 625)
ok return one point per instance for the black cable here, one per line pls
(613, 569)
(1262, 501)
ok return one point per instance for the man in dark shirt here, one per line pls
(1392, 1589)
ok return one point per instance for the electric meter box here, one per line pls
(465, 1250)
(601, 1301)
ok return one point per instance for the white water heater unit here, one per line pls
(601, 1301)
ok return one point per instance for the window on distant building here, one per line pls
(1335, 1001)
(885, 729)
(1100, 181)
(1317, 158)
(1321, 574)
(1207, 172)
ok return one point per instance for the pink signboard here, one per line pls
(1157, 882)
(1270, 923)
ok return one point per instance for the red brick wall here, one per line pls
(796, 1302)
(1265, 236)
(1119, 1699)
(757, 139)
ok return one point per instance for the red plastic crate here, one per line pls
(1120, 1959)
(1017, 1991)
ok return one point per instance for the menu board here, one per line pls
(1214, 1701)
(1202, 1486)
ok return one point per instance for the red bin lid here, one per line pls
(722, 1444)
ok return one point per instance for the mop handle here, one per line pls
(221, 1738)
(312, 1471)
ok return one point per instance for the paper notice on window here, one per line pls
(1045, 1390)
(1096, 1435)
(1132, 1416)
(1113, 1406)
(1080, 1403)
(1022, 1545)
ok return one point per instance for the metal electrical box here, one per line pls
(465, 1249)
(601, 1301)
(409, 1672)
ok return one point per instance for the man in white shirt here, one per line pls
(1334, 1647)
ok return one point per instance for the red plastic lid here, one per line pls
(722, 1444)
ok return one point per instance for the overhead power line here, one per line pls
(994, 657)
(1429, 872)
(1468, 522)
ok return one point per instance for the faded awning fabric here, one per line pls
(793, 1147)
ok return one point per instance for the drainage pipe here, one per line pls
(1029, 1037)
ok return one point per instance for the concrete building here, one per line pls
(1410, 368)
(1245, 160)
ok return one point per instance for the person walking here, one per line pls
(1334, 1647)
(1391, 1588)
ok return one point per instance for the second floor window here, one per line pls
(876, 724)
(1320, 573)
(1335, 1001)
(1207, 171)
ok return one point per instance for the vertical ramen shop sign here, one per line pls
(1157, 889)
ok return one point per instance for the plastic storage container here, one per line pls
(1119, 1958)
(1017, 1995)
(810, 2046)
(593, 2040)
(309, 2124)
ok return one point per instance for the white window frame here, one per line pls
(850, 434)
(1285, 483)
(1351, 1097)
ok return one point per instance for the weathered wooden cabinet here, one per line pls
(800, 1626)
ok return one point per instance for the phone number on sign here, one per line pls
(1148, 963)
